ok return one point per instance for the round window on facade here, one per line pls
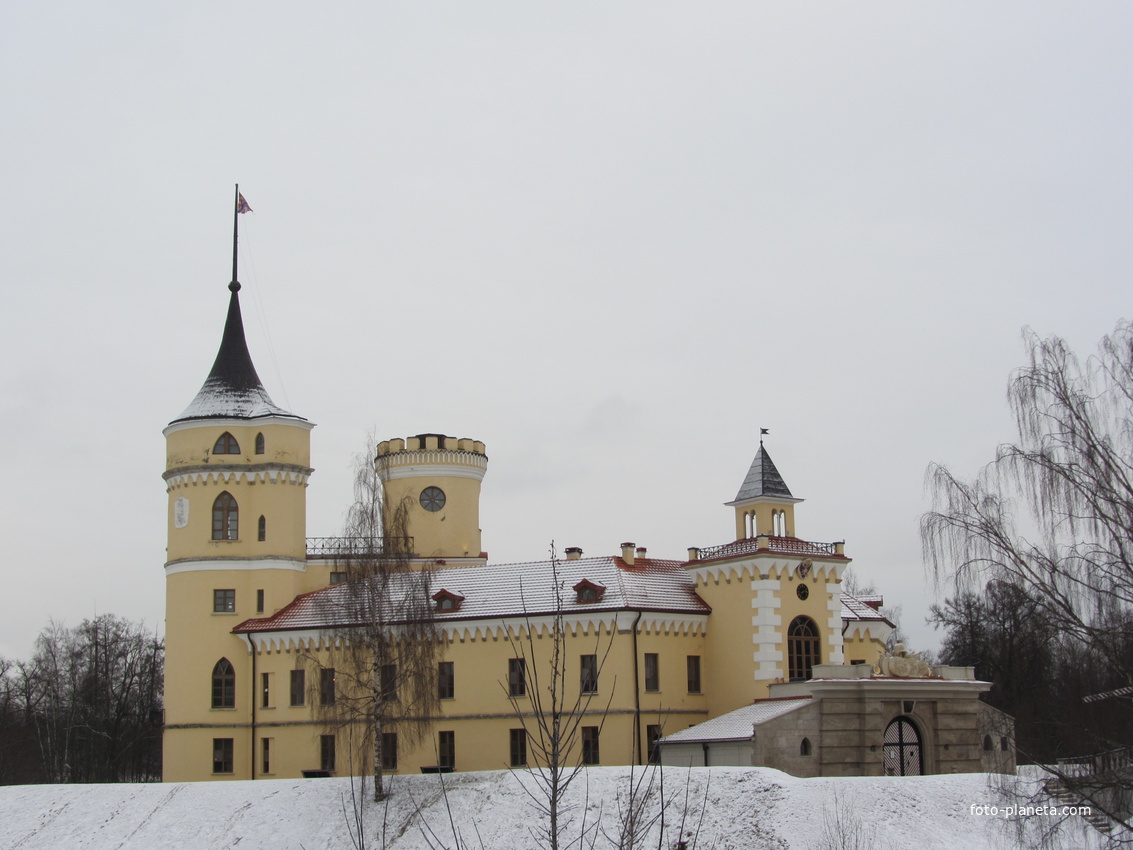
(802, 591)
(432, 499)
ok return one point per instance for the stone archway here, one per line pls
(904, 755)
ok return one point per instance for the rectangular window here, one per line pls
(298, 687)
(389, 682)
(224, 601)
(589, 680)
(446, 749)
(265, 749)
(652, 735)
(389, 751)
(517, 677)
(265, 688)
(259, 602)
(338, 578)
(326, 686)
(446, 681)
(326, 752)
(518, 747)
(694, 674)
(590, 745)
(222, 755)
(652, 672)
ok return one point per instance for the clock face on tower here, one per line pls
(432, 499)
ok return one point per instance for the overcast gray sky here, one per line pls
(611, 240)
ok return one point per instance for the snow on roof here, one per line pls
(233, 389)
(736, 725)
(511, 590)
(856, 608)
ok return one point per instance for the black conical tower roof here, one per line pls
(233, 389)
(763, 479)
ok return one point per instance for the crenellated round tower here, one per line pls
(437, 479)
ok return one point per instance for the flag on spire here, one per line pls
(242, 205)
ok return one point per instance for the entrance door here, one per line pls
(903, 756)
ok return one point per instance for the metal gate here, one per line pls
(903, 756)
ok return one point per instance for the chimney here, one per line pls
(573, 553)
(641, 552)
(693, 553)
(627, 553)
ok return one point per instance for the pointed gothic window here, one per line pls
(225, 518)
(802, 648)
(259, 444)
(263, 531)
(226, 445)
(223, 685)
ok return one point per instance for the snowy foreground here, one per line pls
(747, 808)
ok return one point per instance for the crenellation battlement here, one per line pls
(430, 443)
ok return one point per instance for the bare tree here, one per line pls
(552, 710)
(1072, 471)
(90, 700)
(386, 647)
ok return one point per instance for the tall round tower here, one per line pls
(437, 479)
(236, 473)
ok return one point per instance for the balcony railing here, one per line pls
(342, 547)
(771, 544)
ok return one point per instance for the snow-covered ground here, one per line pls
(748, 808)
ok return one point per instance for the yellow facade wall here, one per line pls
(480, 715)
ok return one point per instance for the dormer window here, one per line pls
(226, 445)
(589, 591)
(447, 601)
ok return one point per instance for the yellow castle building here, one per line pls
(654, 647)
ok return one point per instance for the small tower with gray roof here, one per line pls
(764, 505)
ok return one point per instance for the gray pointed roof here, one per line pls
(233, 389)
(763, 479)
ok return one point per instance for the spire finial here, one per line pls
(762, 432)
(239, 207)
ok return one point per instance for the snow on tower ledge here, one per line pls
(233, 389)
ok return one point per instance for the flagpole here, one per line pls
(235, 285)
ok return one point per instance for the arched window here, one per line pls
(223, 685)
(902, 745)
(225, 518)
(259, 444)
(802, 648)
(263, 530)
(987, 743)
(226, 445)
(804, 747)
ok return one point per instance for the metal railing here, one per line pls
(769, 543)
(339, 547)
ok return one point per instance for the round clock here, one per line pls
(802, 591)
(432, 499)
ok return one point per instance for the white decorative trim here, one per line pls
(834, 626)
(763, 500)
(259, 474)
(237, 423)
(310, 640)
(515, 628)
(429, 464)
(868, 629)
(227, 564)
(767, 625)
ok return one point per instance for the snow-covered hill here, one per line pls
(748, 808)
